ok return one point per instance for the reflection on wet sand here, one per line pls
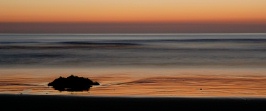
(142, 82)
(189, 86)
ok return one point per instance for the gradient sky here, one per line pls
(110, 12)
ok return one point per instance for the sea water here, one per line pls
(133, 50)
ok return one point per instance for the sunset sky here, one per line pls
(244, 15)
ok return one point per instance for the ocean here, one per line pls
(138, 55)
(133, 50)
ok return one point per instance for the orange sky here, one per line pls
(132, 16)
(132, 10)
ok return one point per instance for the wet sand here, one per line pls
(141, 82)
(125, 90)
(116, 103)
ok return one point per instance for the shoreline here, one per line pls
(208, 82)
(127, 103)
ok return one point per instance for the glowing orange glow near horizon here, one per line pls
(132, 10)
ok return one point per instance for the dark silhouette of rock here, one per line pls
(72, 83)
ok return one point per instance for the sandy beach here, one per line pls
(116, 103)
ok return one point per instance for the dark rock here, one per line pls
(72, 83)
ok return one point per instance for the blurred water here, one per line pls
(133, 50)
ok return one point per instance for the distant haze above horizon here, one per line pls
(132, 16)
